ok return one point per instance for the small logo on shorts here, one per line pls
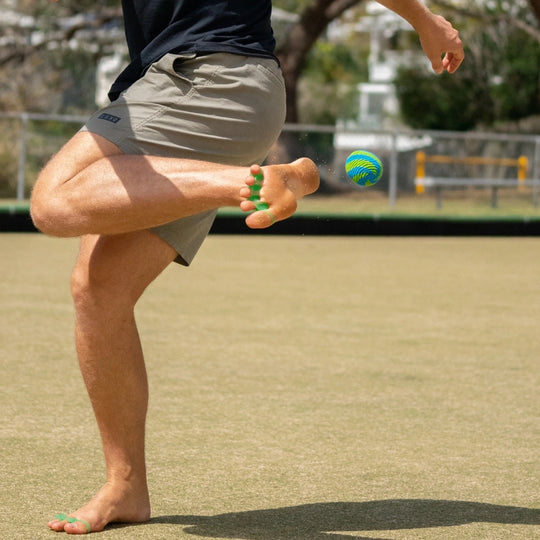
(109, 118)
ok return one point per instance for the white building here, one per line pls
(378, 106)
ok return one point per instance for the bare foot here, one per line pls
(112, 503)
(281, 188)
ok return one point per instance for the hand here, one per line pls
(438, 37)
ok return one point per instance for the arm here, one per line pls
(437, 35)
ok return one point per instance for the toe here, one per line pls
(69, 524)
(245, 192)
(77, 527)
(56, 525)
(261, 219)
(247, 206)
(258, 220)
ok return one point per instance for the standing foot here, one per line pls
(282, 187)
(114, 502)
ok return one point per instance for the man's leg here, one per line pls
(91, 187)
(110, 275)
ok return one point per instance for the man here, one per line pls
(202, 99)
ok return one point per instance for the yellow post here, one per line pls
(420, 171)
(523, 165)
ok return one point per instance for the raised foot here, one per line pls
(281, 187)
(112, 503)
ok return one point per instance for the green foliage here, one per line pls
(8, 157)
(497, 83)
(334, 61)
(293, 6)
(78, 69)
(518, 94)
(447, 102)
(328, 84)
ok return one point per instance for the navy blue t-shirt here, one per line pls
(157, 27)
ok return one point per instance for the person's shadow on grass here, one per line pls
(317, 521)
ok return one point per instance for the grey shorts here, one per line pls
(222, 108)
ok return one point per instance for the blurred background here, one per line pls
(356, 77)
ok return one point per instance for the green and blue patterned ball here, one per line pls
(363, 168)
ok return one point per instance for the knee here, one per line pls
(44, 216)
(60, 198)
(48, 210)
(97, 289)
(86, 291)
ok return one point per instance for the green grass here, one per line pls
(11, 206)
(466, 204)
(301, 388)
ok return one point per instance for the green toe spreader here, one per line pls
(69, 519)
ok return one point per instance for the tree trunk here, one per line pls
(292, 56)
(535, 7)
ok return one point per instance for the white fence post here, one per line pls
(393, 180)
(22, 157)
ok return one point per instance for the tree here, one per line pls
(327, 88)
(499, 81)
(315, 16)
(521, 14)
(456, 102)
(49, 52)
(36, 26)
(535, 8)
(58, 26)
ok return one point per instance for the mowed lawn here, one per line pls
(301, 388)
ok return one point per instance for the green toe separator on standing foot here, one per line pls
(69, 519)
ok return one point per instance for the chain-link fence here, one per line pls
(415, 162)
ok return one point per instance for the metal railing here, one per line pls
(24, 118)
(27, 146)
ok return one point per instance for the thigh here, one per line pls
(83, 149)
(121, 266)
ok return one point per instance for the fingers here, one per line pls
(452, 61)
(442, 44)
(437, 65)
